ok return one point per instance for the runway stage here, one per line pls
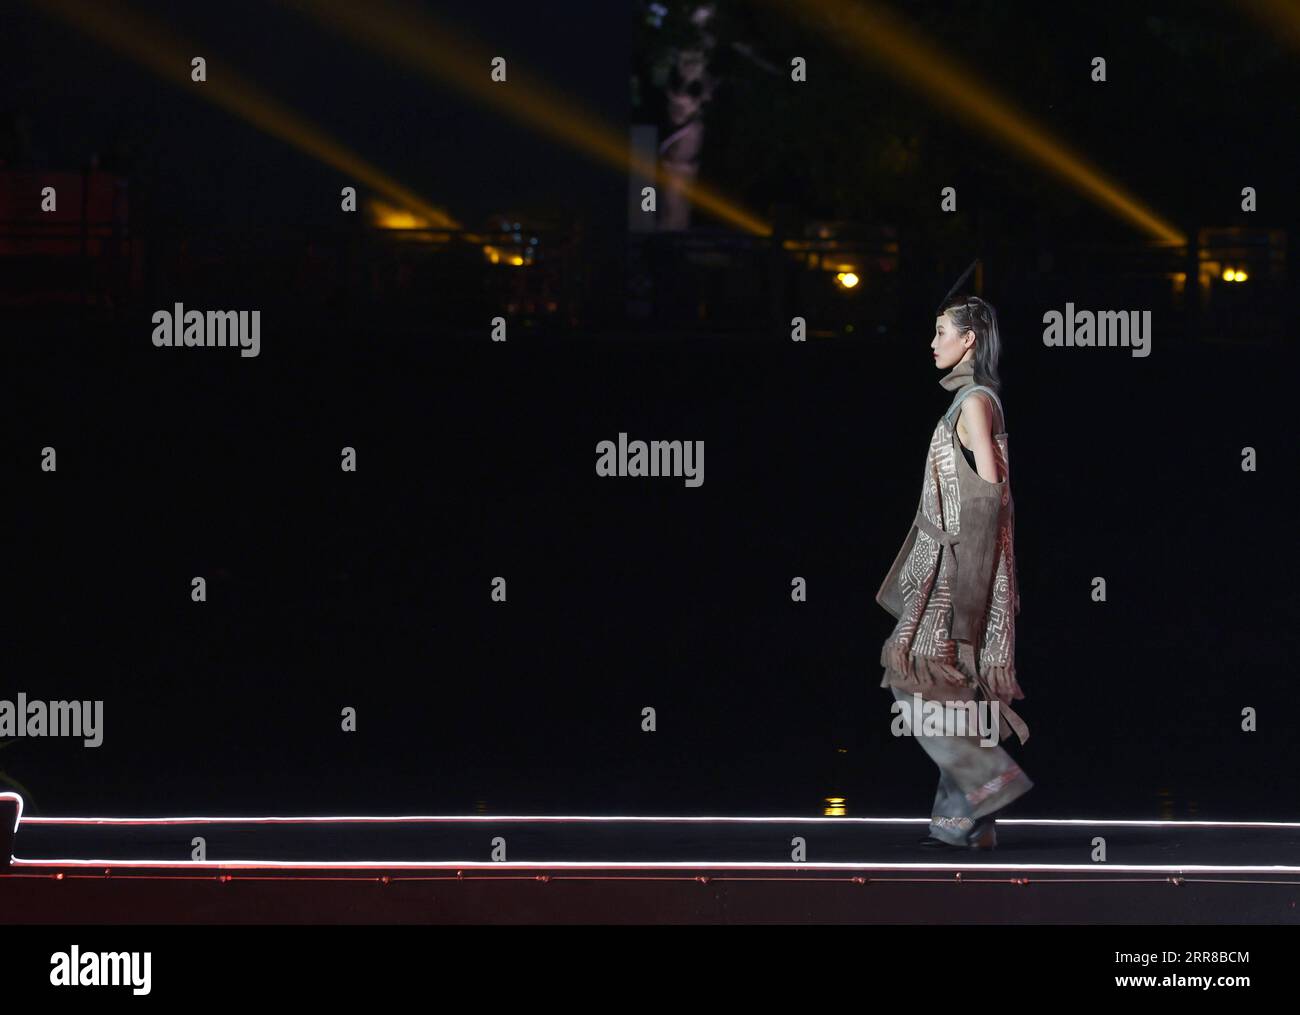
(633, 869)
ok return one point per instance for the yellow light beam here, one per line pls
(872, 29)
(414, 39)
(169, 56)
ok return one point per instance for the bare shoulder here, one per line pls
(976, 414)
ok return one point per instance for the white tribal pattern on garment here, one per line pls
(921, 645)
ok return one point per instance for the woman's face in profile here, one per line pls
(947, 344)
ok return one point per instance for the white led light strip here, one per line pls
(634, 865)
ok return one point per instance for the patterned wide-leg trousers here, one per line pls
(975, 779)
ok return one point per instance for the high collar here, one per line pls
(960, 376)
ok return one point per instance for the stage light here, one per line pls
(387, 216)
(847, 279)
(142, 41)
(1227, 274)
(412, 38)
(496, 255)
(871, 29)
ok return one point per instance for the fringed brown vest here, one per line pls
(953, 586)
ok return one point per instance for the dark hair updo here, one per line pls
(970, 313)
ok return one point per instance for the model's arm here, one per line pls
(976, 555)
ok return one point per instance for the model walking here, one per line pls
(953, 586)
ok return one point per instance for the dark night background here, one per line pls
(476, 459)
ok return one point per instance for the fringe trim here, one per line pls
(1002, 681)
(926, 671)
(918, 671)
